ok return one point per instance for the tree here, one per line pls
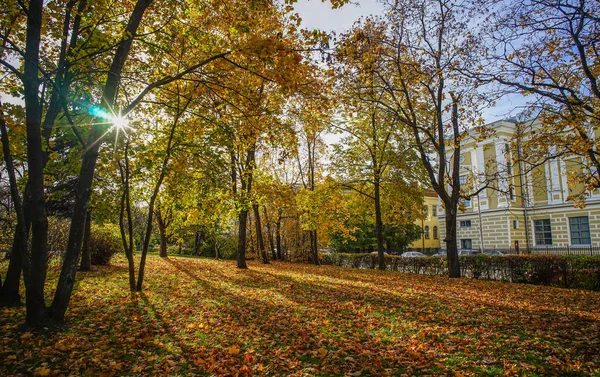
(322, 209)
(548, 51)
(107, 54)
(374, 140)
(420, 47)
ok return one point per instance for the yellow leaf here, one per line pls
(27, 335)
(322, 352)
(233, 350)
(41, 372)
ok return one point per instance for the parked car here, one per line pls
(441, 253)
(493, 252)
(468, 252)
(375, 253)
(412, 254)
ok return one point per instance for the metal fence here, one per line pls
(567, 250)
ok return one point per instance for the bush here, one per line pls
(105, 241)
(568, 271)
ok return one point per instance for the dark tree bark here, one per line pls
(35, 265)
(127, 238)
(161, 177)
(452, 248)
(270, 234)
(9, 292)
(378, 222)
(278, 236)
(164, 218)
(64, 287)
(241, 254)
(246, 188)
(197, 239)
(86, 254)
(163, 222)
(314, 247)
(259, 236)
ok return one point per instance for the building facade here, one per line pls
(516, 207)
(430, 238)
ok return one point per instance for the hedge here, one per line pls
(568, 271)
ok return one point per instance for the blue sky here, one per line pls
(316, 14)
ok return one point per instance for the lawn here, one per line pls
(205, 317)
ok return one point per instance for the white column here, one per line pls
(501, 168)
(479, 170)
(563, 180)
(509, 231)
(555, 192)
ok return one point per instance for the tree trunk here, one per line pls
(278, 236)
(246, 188)
(314, 247)
(260, 242)
(241, 254)
(453, 265)
(163, 240)
(9, 292)
(127, 239)
(250, 235)
(379, 225)
(86, 254)
(35, 266)
(64, 287)
(197, 243)
(270, 234)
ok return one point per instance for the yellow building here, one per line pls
(519, 211)
(430, 239)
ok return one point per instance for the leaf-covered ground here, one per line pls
(205, 317)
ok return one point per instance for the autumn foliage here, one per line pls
(205, 317)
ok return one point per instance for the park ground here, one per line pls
(205, 317)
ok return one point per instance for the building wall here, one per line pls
(429, 200)
(547, 194)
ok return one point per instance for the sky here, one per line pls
(316, 14)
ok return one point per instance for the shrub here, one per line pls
(568, 271)
(105, 241)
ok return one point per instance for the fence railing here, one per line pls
(567, 250)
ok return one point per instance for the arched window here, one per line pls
(435, 233)
(426, 231)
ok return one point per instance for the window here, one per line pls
(463, 180)
(466, 202)
(433, 210)
(466, 244)
(580, 230)
(515, 224)
(461, 159)
(465, 223)
(435, 232)
(426, 232)
(543, 232)
(425, 211)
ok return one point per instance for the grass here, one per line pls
(205, 317)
